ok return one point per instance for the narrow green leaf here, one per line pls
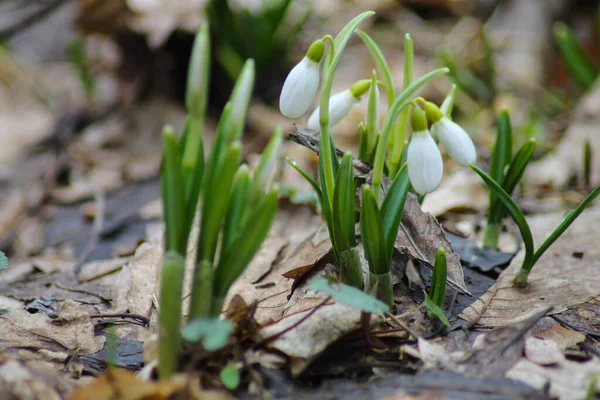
(363, 143)
(436, 310)
(570, 217)
(349, 296)
(579, 65)
(382, 65)
(265, 167)
(230, 376)
(393, 207)
(198, 74)
(514, 211)
(82, 65)
(344, 205)
(238, 205)
(172, 190)
(213, 332)
(240, 100)
(372, 236)
(306, 176)
(372, 121)
(216, 202)
(517, 166)
(171, 287)
(247, 242)
(501, 156)
(438, 281)
(342, 38)
(193, 168)
(587, 163)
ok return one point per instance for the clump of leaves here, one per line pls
(237, 209)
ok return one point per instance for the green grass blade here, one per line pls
(265, 167)
(564, 225)
(306, 176)
(382, 65)
(514, 211)
(172, 190)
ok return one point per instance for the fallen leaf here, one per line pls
(32, 381)
(74, 332)
(558, 279)
(145, 266)
(461, 190)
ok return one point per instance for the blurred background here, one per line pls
(86, 86)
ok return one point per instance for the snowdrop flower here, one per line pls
(340, 105)
(453, 137)
(302, 82)
(425, 165)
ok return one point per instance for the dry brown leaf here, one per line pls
(32, 381)
(549, 329)
(559, 279)
(107, 179)
(567, 379)
(72, 330)
(144, 267)
(463, 189)
(95, 269)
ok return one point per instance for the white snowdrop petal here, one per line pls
(299, 89)
(339, 106)
(425, 166)
(455, 140)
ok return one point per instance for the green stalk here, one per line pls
(381, 287)
(399, 130)
(169, 345)
(399, 104)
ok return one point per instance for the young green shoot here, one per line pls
(531, 256)
(579, 65)
(434, 300)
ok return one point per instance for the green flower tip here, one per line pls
(407, 37)
(360, 87)
(347, 155)
(433, 112)
(168, 131)
(418, 120)
(560, 29)
(316, 50)
(441, 252)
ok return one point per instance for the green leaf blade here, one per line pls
(349, 296)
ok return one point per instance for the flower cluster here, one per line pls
(425, 166)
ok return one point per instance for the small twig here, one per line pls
(402, 325)
(138, 317)
(276, 336)
(97, 228)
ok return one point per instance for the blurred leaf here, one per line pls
(3, 261)
(230, 376)
(393, 207)
(579, 65)
(213, 332)
(349, 296)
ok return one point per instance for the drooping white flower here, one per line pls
(302, 83)
(340, 104)
(425, 165)
(455, 140)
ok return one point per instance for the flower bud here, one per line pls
(302, 83)
(340, 104)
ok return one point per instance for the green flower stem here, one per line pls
(380, 286)
(169, 345)
(332, 59)
(491, 235)
(399, 104)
